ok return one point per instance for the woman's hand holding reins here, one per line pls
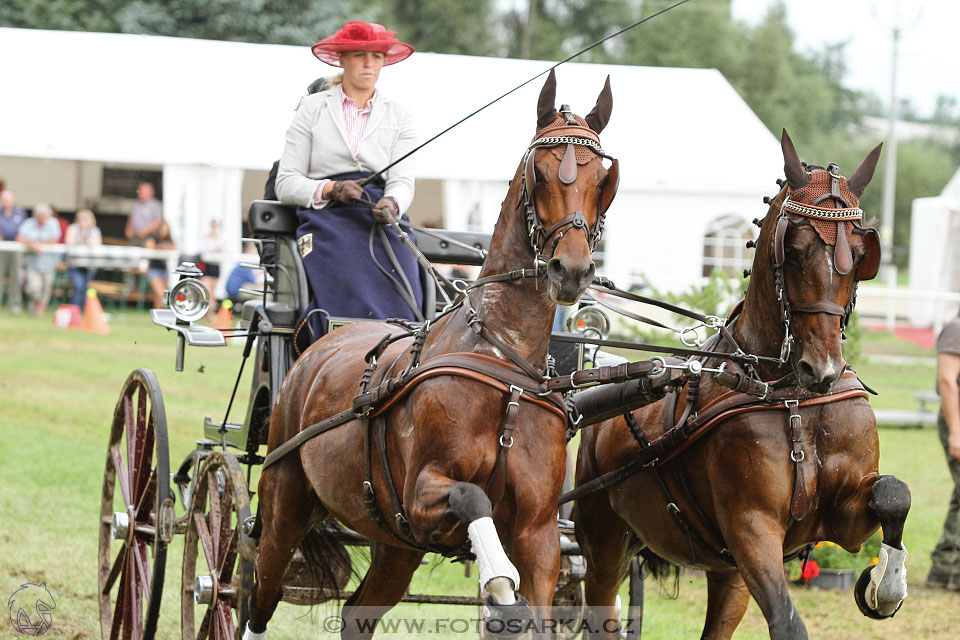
(346, 191)
(386, 209)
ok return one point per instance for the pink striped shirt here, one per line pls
(355, 121)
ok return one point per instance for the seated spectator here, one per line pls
(83, 231)
(41, 265)
(243, 277)
(157, 273)
(11, 262)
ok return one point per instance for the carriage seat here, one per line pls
(272, 218)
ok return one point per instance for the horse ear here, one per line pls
(600, 116)
(797, 176)
(547, 105)
(861, 177)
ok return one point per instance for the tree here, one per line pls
(443, 26)
(279, 22)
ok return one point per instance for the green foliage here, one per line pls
(715, 297)
(832, 556)
(443, 26)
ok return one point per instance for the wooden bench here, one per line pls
(927, 413)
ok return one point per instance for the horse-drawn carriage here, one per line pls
(450, 435)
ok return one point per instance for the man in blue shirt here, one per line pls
(11, 262)
(41, 265)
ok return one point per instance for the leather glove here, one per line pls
(386, 209)
(346, 191)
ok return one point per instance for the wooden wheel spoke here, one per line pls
(204, 630)
(225, 620)
(203, 536)
(136, 598)
(213, 489)
(119, 607)
(146, 498)
(144, 470)
(225, 569)
(115, 570)
(143, 568)
(123, 478)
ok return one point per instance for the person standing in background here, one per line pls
(157, 273)
(41, 265)
(146, 215)
(945, 559)
(11, 262)
(83, 231)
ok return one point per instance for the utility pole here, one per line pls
(890, 172)
(527, 32)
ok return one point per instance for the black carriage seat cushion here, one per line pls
(269, 217)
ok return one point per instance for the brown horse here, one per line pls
(446, 439)
(757, 484)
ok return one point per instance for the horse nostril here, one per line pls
(805, 373)
(556, 271)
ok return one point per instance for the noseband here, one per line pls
(843, 260)
(570, 135)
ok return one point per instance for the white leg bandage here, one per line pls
(250, 635)
(492, 561)
(888, 580)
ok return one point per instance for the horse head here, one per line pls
(566, 190)
(817, 249)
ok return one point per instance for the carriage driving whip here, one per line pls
(495, 100)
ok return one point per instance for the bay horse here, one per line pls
(439, 479)
(765, 477)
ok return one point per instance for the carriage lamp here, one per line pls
(589, 319)
(188, 299)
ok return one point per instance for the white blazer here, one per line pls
(317, 148)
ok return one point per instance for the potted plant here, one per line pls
(829, 566)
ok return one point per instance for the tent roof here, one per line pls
(161, 100)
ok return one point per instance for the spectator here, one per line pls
(243, 277)
(63, 225)
(945, 559)
(41, 265)
(157, 273)
(210, 243)
(11, 262)
(83, 231)
(146, 215)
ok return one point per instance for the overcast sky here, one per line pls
(929, 45)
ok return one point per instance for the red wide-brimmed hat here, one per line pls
(358, 35)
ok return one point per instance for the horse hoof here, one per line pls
(506, 620)
(860, 595)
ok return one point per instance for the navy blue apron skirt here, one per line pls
(335, 245)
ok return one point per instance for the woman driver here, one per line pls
(356, 266)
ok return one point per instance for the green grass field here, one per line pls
(58, 389)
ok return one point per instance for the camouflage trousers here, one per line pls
(946, 556)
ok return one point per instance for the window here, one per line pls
(724, 246)
(123, 183)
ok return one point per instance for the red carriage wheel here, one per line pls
(218, 557)
(136, 521)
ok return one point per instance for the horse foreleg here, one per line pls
(757, 544)
(604, 541)
(882, 588)
(536, 549)
(382, 587)
(285, 512)
(727, 599)
(498, 576)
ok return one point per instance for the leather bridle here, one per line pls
(569, 135)
(867, 268)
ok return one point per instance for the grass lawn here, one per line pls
(58, 389)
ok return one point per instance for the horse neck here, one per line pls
(759, 329)
(508, 307)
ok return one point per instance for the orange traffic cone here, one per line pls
(224, 318)
(94, 320)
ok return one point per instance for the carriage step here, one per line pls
(231, 426)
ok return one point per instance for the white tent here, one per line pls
(934, 264)
(691, 151)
